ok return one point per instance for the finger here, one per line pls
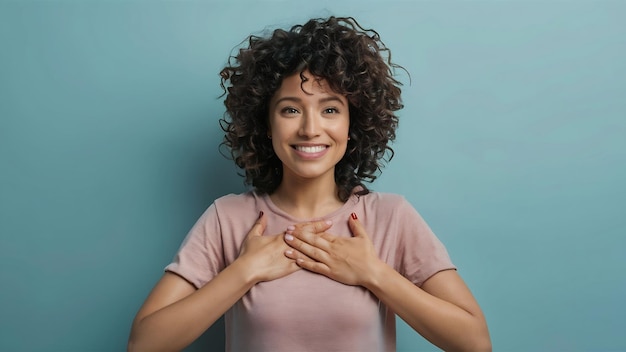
(328, 237)
(316, 267)
(294, 254)
(259, 225)
(315, 226)
(312, 250)
(356, 227)
(318, 240)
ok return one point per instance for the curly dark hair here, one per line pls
(354, 62)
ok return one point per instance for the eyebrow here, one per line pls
(298, 100)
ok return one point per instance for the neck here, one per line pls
(307, 199)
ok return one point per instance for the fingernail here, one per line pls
(291, 228)
(353, 215)
(328, 222)
(261, 214)
(288, 237)
(289, 252)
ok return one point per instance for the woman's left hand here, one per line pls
(350, 261)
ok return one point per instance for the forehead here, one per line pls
(304, 84)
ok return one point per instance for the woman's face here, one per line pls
(309, 126)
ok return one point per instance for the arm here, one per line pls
(175, 313)
(443, 310)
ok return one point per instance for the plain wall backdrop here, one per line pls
(512, 145)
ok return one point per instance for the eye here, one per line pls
(331, 111)
(289, 110)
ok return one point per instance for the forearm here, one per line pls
(177, 325)
(444, 324)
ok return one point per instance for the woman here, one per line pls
(311, 260)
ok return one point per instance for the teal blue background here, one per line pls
(512, 145)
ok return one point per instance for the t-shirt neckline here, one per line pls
(345, 208)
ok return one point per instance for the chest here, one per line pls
(302, 309)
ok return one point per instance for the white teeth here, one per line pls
(311, 149)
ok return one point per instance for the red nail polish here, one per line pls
(353, 215)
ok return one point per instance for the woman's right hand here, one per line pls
(264, 255)
(176, 313)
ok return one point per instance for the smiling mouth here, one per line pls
(310, 149)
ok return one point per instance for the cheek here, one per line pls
(343, 131)
(276, 145)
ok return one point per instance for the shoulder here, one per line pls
(241, 205)
(390, 207)
(390, 202)
(236, 200)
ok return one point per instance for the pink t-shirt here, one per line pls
(305, 311)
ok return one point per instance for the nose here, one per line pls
(310, 125)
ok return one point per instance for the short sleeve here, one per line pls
(200, 256)
(422, 254)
